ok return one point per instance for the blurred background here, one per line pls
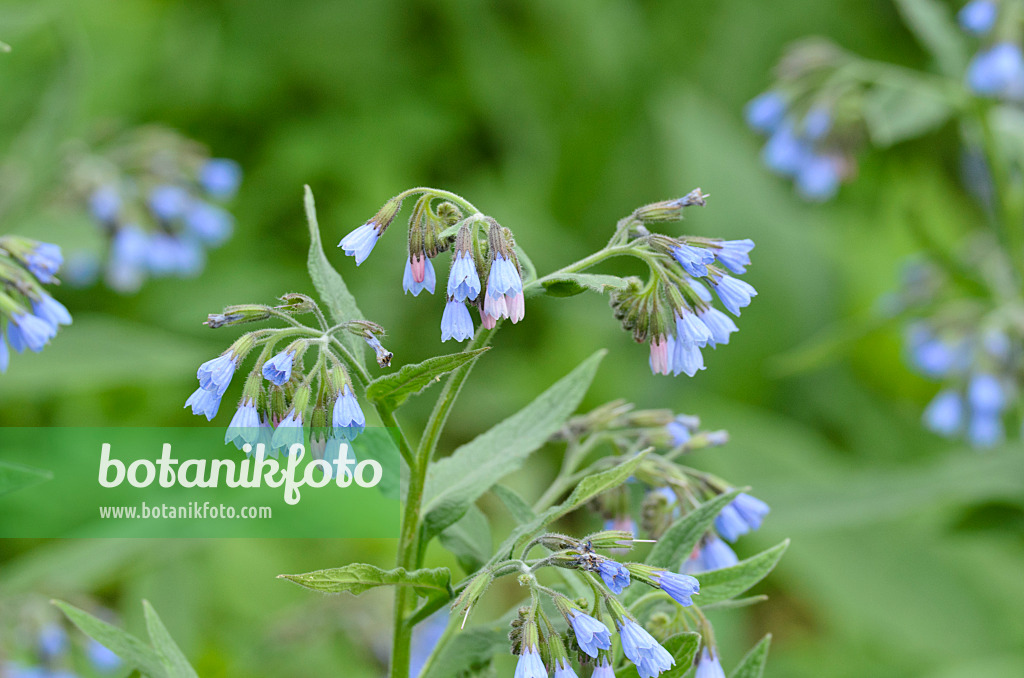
(557, 118)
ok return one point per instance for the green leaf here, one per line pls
(677, 543)
(588, 488)
(934, 28)
(682, 647)
(132, 651)
(358, 578)
(16, 477)
(719, 585)
(381, 445)
(469, 539)
(394, 389)
(329, 283)
(468, 650)
(521, 511)
(170, 654)
(457, 481)
(752, 666)
(902, 108)
(571, 284)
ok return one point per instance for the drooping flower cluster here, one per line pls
(283, 398)
(157, 199)
(485, 272)
(673, 309)
(29, 316)
(997, 69)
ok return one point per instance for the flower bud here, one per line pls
(471, 595)
(670, 210)
(236, 315)
(297, 303)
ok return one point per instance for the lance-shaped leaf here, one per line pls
(521, 511)
(133, 652)
(571, 284)
(469, 540)
(392, 390)
(170, 654)
(682, 647)
(329, 284)
(469, 650)
(457, 481)
(588, 488)
(16, 477)
(728, 582)
(904, 107)
(677, 543)
(359, 577)
(933, 26)
(752, 666)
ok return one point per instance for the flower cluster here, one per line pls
(801, 144)
(282, 396)
(997, 69)
(51, 656)
(485, 272)
(673, 309)
(29, 316)
(158, 201)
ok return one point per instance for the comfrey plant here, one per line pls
(585, 603)
(964, 303)
(29, 316)
(157, 199)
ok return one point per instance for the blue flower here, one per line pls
(168, 254)
(985, 429)
(591, 634)
(44, 260)
(425, 637)
(680, 433)
(708, 666)
(694, 260)
(463, 279)
(105, 204)
(168, 202)
(933, 356)
(456, 322)
(730, 524)
(419, 275)
(985, 393)
(719, 324)
(245, 425)
(128, 258)
(702, 292)
(751, 509)
(945, 413)
(278, 370)
(978, 16)
(215, 374)
(288, 432)
(359, 243)
(614, 574)
(764, 112)
(203, 402)
(564, 670)
(220, 177)
(690, 329)
(686, 357)
(818, 178)
(504, 278)
(735, 254)
(212, 225)
(25, 330)
(817, 123)
(678, 586)
(603, 669)
(643, 650)
(347, 417)
(52, 641)
(714, 555)
(997, 71)
(530, 665)
(52, 311)
(735, 294)
(785, 152)
(5, 353)
(102, 658)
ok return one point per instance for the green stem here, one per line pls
(1009, 200)
(535, 286)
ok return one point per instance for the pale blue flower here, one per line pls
(220, 177)
(817, 123)
(203, 402)
(530, 665)
(102, 658)
(5, 353)
(52, 311)
(603, 669)
(347, 417)
(751, 509)
(504, 278)
(288, 432)
(642, 649)
(245, 425)
(52, 641)
(614, 574)
(978, 16)
(694, 260)
(168, 201)
(463, 279)
(678, 586)
(700, 289)
(714, 555)
(708, 666)
(945, 413)
(105, 204)
(764, 112)
(690, 329)
(785, 152)
(719, 324)
(27, 331)
(215, 374)
(818, 178)
(985, 393)
(680, 433)
(212, 225)
(985, 429)
(591, 634)
(456, 323)
(997, 71)
(564, 670)
(359, 243)
(44, 260)
(419, 275)
(735, 254)
(734, 293)
(686, 357)
(278, 370)
(730, 524)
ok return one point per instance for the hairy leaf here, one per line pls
(897, 110)
(170, 654)
(132, 651)
(330, 285)
(723, 584)
(469, 649)
(682, 647)
(457, 481)
(516, 505)
(392, 390)
(677, 543)
(360, 577)
(571, 284)
(752, 666)
(469, 540)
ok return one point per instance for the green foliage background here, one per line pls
(557, 118)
